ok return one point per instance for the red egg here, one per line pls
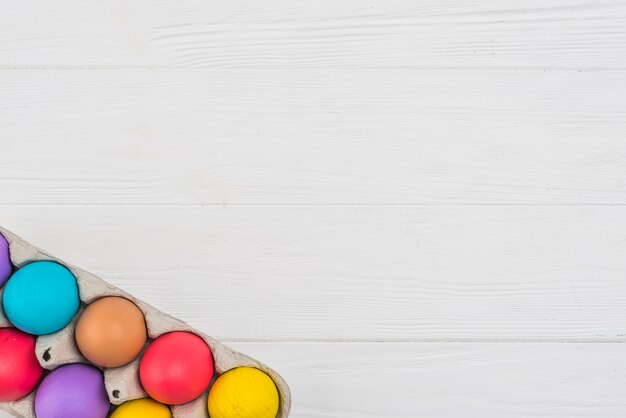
(19, 369)
(176, 368)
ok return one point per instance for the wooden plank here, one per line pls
(450, 380)
(527, 34)
(343, 273)
(311, 138)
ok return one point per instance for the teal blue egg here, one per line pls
(41, 297)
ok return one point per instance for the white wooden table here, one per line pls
(408, 208)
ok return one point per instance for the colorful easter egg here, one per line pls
(19, 369)
(176, 368)
(5, 261)
(111, 332)
(41, 297)
(72, 391)
(244, 392)
(142, 408)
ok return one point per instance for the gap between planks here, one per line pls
(427, 341)
(311, 69)
(306, 205)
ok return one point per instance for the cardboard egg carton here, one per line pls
(122, 383)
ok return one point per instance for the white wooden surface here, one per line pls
(409, 209)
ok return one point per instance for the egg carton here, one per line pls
(122, 383)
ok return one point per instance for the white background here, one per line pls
(408, 208)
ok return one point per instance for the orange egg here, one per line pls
(111, 332)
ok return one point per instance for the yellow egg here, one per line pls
(244, 392)
(142, 408)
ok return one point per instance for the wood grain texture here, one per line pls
(336, 273)
(394, 203)
(147, 137)
(451, 380)
(528, 34)
(476, 380)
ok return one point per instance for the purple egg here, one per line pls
(72, 391)
(5, 261)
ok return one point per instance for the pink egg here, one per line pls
(176, 368)
(19, 369)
